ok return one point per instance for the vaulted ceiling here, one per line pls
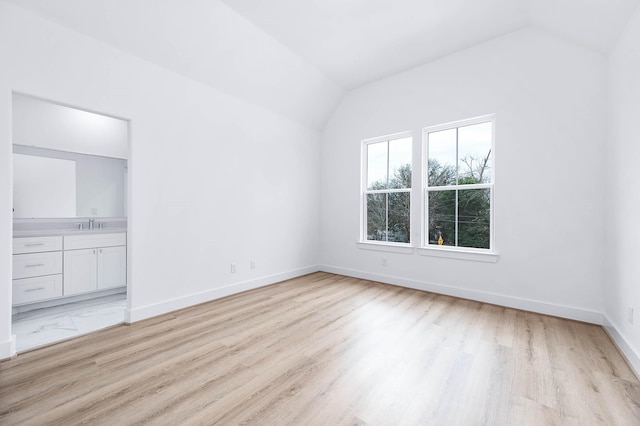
(297, 57)
(359, 41)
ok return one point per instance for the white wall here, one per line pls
(549, 98)
(48, 125)
(622, 283)
(213, 179)
(209, 42)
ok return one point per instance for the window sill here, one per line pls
(477, 256)
(389, 247)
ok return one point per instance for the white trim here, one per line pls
(461, 123)
(148, 311)
(459, 253)
(461, 187)
(386, 191)
(67, 299)
(424, 184)
(8, 348)
(562, 311)
(628, 351)
(364, 178)
(382, 246)
(390, 137)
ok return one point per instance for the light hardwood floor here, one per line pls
(328, 350)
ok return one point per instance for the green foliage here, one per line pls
(388, 214)
(474, 205)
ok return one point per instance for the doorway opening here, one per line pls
(70, 221)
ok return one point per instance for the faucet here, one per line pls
(91, 223)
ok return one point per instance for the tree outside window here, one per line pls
(387, 196)
(459, 185)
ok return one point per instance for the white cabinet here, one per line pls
(112, 267)
(80, 271)
(50, 267)
(86, 241)
(36, 289)
(37, 264)
(95, 262)
(37, 269)
(36, 244)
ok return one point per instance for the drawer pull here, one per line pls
(33, 244)
(34, 289)
(35, 265)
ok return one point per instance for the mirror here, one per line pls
(35, 194)
(67, 162)
(57, 184)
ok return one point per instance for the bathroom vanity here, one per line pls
(70, 198)
(58, 264)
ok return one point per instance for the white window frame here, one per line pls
(467, 253)
(373, 244)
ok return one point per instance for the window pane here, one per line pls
(400, 163)
(399, 218)
(377, 165)
(442, 158)
(474, 154)
(474, 213)
(377, 217)
(442, 217)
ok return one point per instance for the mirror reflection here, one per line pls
(57, 184)
(67, 162)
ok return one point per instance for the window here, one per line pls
(387, 189)
(459, 184)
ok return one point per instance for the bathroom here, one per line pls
(70, 202)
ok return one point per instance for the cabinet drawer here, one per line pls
(36, 244)
(37, 264)
(76, 242)
(29, 290)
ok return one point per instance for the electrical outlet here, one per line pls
(253, 264)
(384, 261)
(234, 268)
(630, 314)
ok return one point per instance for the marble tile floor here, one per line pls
(48, 325)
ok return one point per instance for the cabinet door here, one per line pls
(112, 267)
(80, 271)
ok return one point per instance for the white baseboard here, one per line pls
(480, 296)
(64, 300)
(144, 312)
(8, 348)
(631, 354)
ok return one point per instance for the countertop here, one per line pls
(62, 232)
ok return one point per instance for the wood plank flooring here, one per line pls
(328, 350)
